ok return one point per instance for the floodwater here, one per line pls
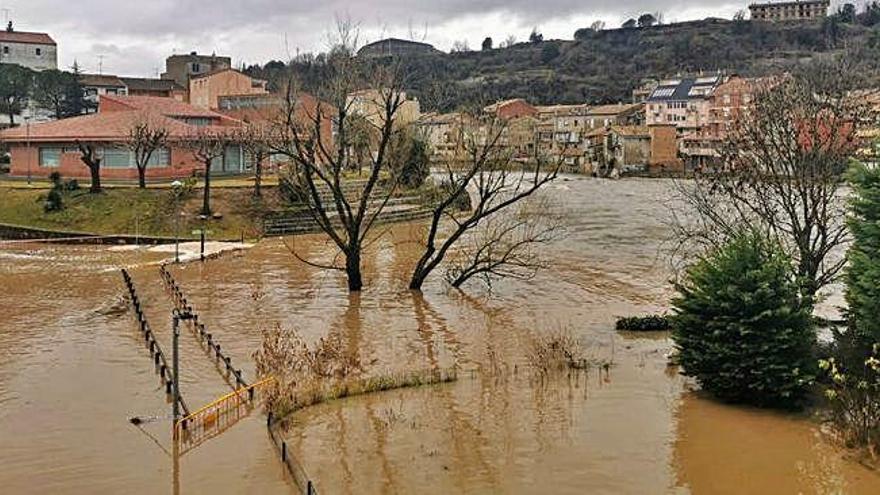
(73, 370)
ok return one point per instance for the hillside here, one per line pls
(604, 66)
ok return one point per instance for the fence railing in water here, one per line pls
(216, 417)
(212, 347)
(294, 467)
(158, 357)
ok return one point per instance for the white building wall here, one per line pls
(31, 55)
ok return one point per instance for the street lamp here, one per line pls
(27, 127)
(175, 186)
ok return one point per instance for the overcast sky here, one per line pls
(133, 37)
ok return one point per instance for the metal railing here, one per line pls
(158, 357)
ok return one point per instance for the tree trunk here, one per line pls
(258, 176)
(353, 271)
(142, 177)
(206, 200)
(95, 173)
(417, 280)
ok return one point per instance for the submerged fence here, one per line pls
(216, 417)
(158, 357)
(294, 467)
(211, 346)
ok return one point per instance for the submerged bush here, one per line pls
(854, 396)
(650, 323)
(740, 327)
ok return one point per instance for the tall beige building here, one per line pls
(789, 11)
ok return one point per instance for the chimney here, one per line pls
(9, 27)
(192, 53)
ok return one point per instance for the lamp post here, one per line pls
(27, 127)
(176, 316)
(175, 186)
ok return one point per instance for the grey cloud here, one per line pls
(255, 30)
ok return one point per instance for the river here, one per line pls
(73, 370)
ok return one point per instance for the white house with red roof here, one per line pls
(36, 51)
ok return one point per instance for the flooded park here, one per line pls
(74, 370)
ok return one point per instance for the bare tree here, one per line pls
(208, 144)
(255, 140)
(343, 209)
(780, 169)
(507, 245)
(145, 137)
(488, 169)
(91, 155)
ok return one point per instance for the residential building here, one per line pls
(394, 47)
(97, 85)
(41, 149)
(370, 103)
(268, 109)
(683, 102)
(444, 134)
(699, 147)
(511, 109)
(620, 149)
(561, 130)
(617, 114)
(166, 88)
(789, 11)
(206, 89)
(180, 68)
(644, 90)
(36, 51)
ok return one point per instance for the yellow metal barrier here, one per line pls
(214, 418)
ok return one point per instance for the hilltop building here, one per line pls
(180, 68)
(394, 47)
(789, 11)
(36, 51)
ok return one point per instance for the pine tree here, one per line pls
(863, 270)
(741, 328)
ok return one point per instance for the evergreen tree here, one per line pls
(741, 328)
(863, 270)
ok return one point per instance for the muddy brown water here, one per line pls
(73, 370)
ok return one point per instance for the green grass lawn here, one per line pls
(135, 211)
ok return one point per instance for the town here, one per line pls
(672, 125)
(635, 251)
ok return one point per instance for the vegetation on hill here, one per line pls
(601, 66)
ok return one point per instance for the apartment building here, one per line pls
(789, 11)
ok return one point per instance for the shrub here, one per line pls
(854, 396)
(413, 163)
(650, 323)
(54, 201)
(740, 327)
(862, 273)
(555, 350)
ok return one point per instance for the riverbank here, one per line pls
(132, 213)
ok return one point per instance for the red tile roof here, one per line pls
(25, 37)
(165, 106)
(114, 125)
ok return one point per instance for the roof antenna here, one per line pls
(100, 64)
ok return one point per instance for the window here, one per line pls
(39, 52)
(117, 158)
(6, 50)
(232, 159)
(50, 157)
(196, 67)
(160, 158)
